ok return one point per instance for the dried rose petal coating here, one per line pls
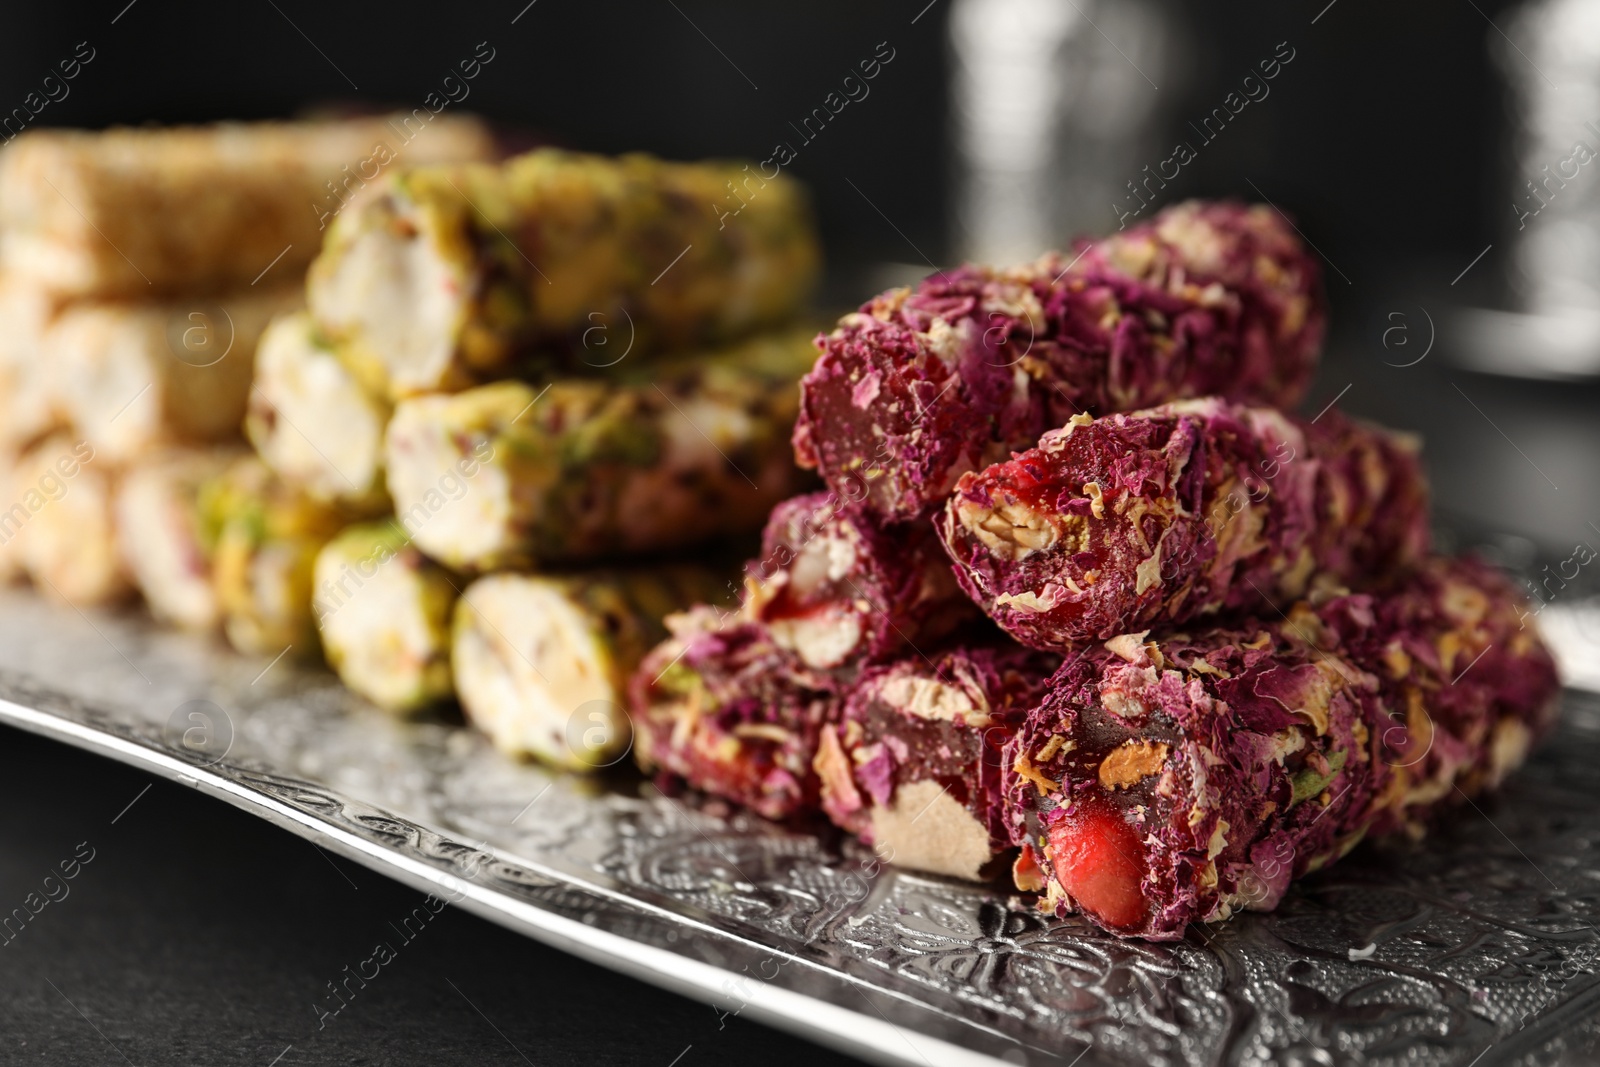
(837, 589)
(922, 385)
(723, 707)
(915, 763)
(1181, 779)
(1153, 518)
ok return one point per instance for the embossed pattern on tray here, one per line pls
(1474, 946)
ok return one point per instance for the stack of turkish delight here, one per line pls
(138, 270)
(489, 398)
(1083, 597)
(552, 375)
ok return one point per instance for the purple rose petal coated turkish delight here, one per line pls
(724, 708)
(836, 589)
(1153, 518)
(1168, 781)
(922, 385)
(915, 763)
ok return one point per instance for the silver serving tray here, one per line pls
(1476, 946)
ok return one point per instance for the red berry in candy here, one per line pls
(1099, 860)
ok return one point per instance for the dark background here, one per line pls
(202, 935)
(1382, 138)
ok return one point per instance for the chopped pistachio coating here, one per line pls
(674, 455)
(311, 420)
(136, 212)
(1176, 779)
(263, 536)
(134, 377)
(64, 521)
(1153, 518)
(721, 706)
(454, 275)
(914, 765)
(542, 661)
(160, 536)
(383, 612)
(922, 385)
(837, 588)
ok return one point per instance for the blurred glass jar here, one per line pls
(1549, 56)
(1055, 108)
(1554, 75)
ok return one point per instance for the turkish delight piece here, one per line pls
(922, 385)
(1116, 524)
(915, 763)
(837, 588)
(722, 706)
(1181, 779)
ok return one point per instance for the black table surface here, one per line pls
(198, 934)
